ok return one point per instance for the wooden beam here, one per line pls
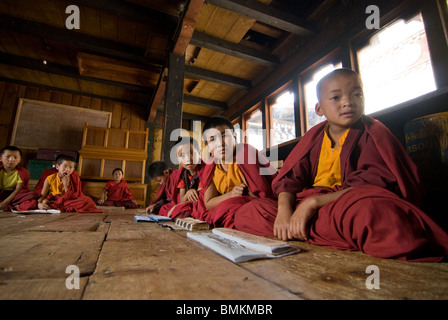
(216, 44)
(135, 101)
(212, 76)
(182, 38)
(116, 70)
(63, 70)
(218, 105)
(173, 104)
(185, 28)
(83, 41)
(157, 97)
(267, 14)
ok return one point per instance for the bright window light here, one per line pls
(283, 122)
(254, 127)
(396, 67)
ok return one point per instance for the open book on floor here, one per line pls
(150, 218)
(38, 211)
(239, 246)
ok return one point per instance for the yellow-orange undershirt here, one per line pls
(329, 167)
(55, 185)
(226, 181)
(9, 181)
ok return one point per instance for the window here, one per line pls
(311, 95)
(396, 67)
(254, 129)
(283, 126)
(238, 132)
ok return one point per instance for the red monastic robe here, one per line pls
(380, 215)
(258, 173)
(43, 177)
(189, 208)
(119, 195)
(168, 194)
(72, 201)
(24, 195)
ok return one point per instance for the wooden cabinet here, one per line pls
(104, 149)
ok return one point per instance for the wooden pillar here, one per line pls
(173, 103)
(437, 41)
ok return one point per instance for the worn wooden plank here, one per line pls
(325, 273)
(164, 265)
(74, 223)
(40, 289)
(13, 223)
(42, 255)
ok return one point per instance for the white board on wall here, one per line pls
(46, 125)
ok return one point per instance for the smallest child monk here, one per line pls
(189, 185)
(63, 190)
(168, 194)
(117, 192)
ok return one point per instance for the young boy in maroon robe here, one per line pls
(13, 180)
(63, 190)
(117, 192)
(168, 194)
(349, 184)
(233, 176)
(40, 184)
(189, 184)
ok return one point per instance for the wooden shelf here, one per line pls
(104, 149)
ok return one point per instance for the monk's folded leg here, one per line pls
(379, 223)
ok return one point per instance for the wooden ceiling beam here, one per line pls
(218, 105)
(267, 14)
(181, 40)
(233, 49)
(63, 70)
(212, 76)
(185, 28)
(140, 101)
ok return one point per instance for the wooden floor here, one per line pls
(119, 258)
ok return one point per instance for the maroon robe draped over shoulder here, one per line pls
(257, 171)
(74, 200)
(189, 208)
(379, 215)
(168, 194)
(25, 195)
(119, 195)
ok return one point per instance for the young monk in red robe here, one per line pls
(63, 190)
(117, 192)
(168, 194)
(233, 176)
(349, 184)
(13, 180)
(189, 184)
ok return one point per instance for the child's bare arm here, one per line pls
(102, 196)
(11, 197)
(306, 210)
(286, 202)
(42, 203)
(212, 198)
(182, 195)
